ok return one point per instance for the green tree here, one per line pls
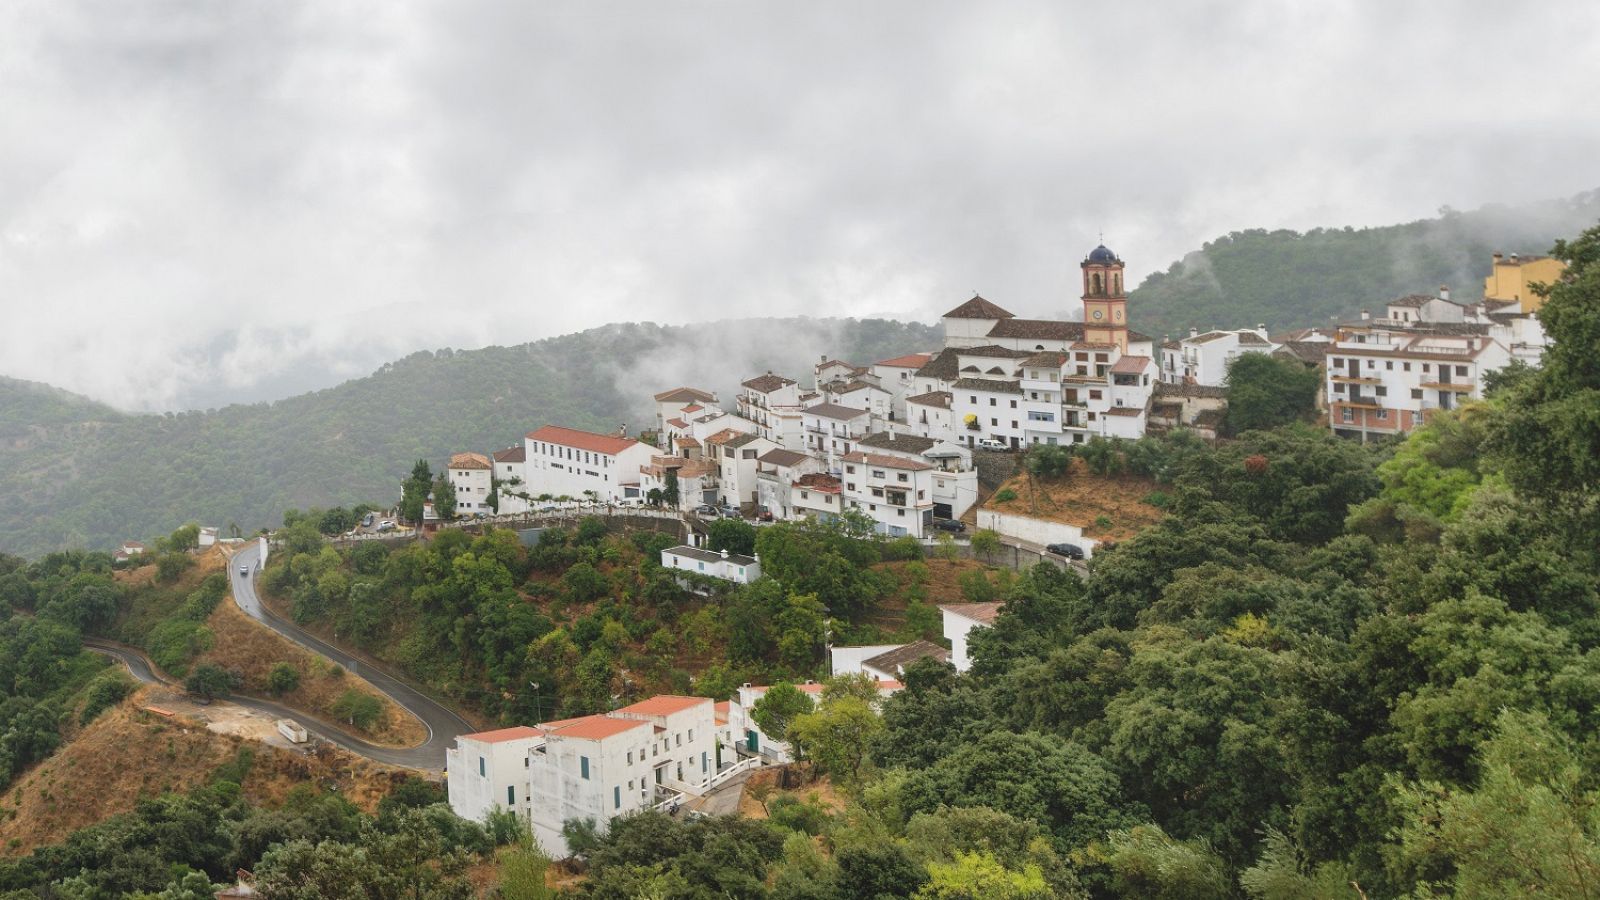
(979, 876)
(282, 679)
(1145, 862)
(1266, 391)
(185, 538)
(838, 736)
(669, 495)
(358, 708)
(986, 543)
(444, 497)
(778, 708)
(414, 492)
(732, 535)
(209, 681)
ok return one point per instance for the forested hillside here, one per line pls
(1285, 279)
(75, 473)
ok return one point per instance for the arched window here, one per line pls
(1094, 284)
(1118, 282)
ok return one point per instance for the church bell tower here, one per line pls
(1105, 304)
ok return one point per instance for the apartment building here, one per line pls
(896, 493)
(831, 430)
(898, 377)
(773, 403)
(566, 462)
(471, 474)
(777, 474)
(1090, 390)
(736, 455)
(1204, 357)
(955, 481)
(679, 403)
(959, 620)
(1511, 279)
(596, 767)
(929, 415)
(1385, 376)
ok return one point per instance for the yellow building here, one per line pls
(1512, 277)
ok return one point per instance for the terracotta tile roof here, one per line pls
(692, 408)
(781, 457)
(608, 444)
(940, 399)
(909, 361)
(896, 659)
(1037, 330)
(1172, 345)
(1412, 301)
(663, 705)
(835, 411)
(470, 461)
(943, 366)
(500, 735)
(723, 436)
(905, 443)
(591, 728)
(991, 385)
(820, 482)
(515, 454)
(677, 423)
(1093, 345)
(887, 461)
(1305, 351)
(1125, 411)
(1130, 365)
(768, 383)
(686, 441)
(977, 308)
(1251, 338)
(741, 439)
(852, 386)
(977, 612)
(685, 395)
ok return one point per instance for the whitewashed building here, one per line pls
(777, 472)
(773, 403)
(680, 403)
(1204, 357)
(566, 462)
(898, 377)
(832, 430)
(959, 620)
(472, 475)
(929, 415)
(736, 456)
(883, 662)
(511, 490)
(734, 567)
(895, 492)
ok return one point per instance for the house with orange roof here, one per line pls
(654, 753)
(567, 462)
(898, 376)
(472, 475)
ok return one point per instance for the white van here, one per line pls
(991, 444)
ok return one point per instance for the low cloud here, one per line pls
(201, 204)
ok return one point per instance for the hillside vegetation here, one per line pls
(77, 474)
(1286, 279)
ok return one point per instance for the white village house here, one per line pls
(471, 474)
(572, 463)
(734, 567)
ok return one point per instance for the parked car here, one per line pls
(366, 520)
(950, 525)
(386, 525)
(991, 444)
(1070, 551)
(706, 510)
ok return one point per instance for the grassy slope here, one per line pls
(103, 477)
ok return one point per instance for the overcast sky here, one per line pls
(209, 201)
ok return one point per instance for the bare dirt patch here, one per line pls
(246, 646)
(127, 754)
(772, 778)
(1106, 508)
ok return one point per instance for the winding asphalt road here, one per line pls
(443, 723)
(142, 670)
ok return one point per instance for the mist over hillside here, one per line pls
(76, 473)
(1286, 279)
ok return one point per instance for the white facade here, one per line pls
(1088, 391)
(896, 493)
(777, 471)
(1203, 358)
(928, 415)
(471, 474)
(773, 403)
(734, 567)
(955, 481)
(959, 620)
(898, 377)
(735, 456)
(677, 403)
(988, 408)
(595, 767)
(509, 471)
(1034, 530)
(566, 462)
(832, 430)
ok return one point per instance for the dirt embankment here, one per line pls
(251, 649)
(127, 754)
(1106, 508)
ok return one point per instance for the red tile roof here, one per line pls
(470, 461)
(518, 453)
(664, 705)
(977, 308)
(767, 383)
(499, 735)
(582, 440)
(1130, 365)
(977, 612)
(692, 408)
(909, 361)
(592, 728)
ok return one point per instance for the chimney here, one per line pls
(1513, 258)
(1194, 332)
(724, 552)
(1444, 292)
(1498, 256)
(1365, 315)
(1261, 327)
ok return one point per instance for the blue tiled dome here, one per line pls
(1102, 255)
